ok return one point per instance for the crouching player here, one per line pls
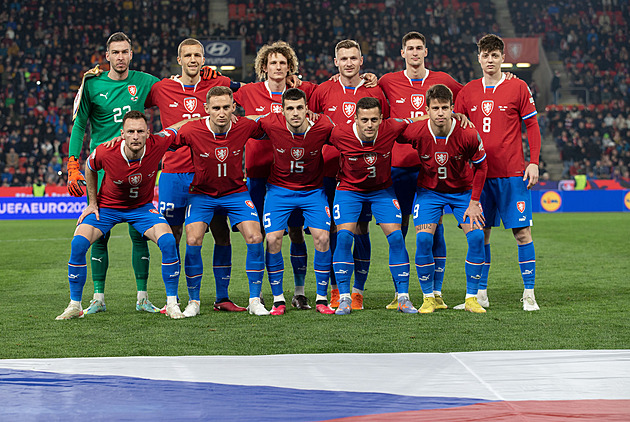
(296, 183)
(126, 195)
(446, 178)
(365, 179)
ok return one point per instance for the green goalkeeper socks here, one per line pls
(139, 258)
(99, 263)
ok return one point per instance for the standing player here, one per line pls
(217, 149)
(184, 98)
(273, 64)
(126, 195)
(445, 149)
(337, 100)
(498, 107)
(104, 98)
(406, 92)
(365, 179)
(295, 183)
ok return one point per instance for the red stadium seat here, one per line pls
(232, 11)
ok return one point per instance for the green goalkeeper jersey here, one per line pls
(104, 102)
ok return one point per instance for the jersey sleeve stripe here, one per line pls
(480, 160)
(172, 130)
(89, 164)
(527, 116)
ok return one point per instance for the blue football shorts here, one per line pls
(237, 206)
(174, 196)
(507, 199)
(429, 206)
(349, 206)
(280, 203)
(141, 218)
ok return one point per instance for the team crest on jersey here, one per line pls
(349, 109)
(396, 204)
(417, 101)
(249, 204)
(487, 106)
(370, 158)
(135, 179)
(520, 205)
(328, 212)
(221, 153)
(276, 108)
(154, 211)
(441, 158)
(190, 104)
(297, 153)
(132, 90)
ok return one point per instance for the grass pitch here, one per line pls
(583, 262)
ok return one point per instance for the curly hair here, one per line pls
(278, 47)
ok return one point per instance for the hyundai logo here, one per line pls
(217, 49)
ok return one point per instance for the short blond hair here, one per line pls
(189, 41)
(278, 47)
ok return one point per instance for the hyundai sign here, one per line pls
(223, 53)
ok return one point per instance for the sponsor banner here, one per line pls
(51, 190)
(223, 52)
(521, 50)
(581, 201)
(41, 208)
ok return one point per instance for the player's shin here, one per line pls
(333, 246)
(361, 254)
(255, 268)
(439, 257)
(527, 262)
(425, 267)
(275, 272)
(343, 263)
(299, 259)
(399, 261)
(170, 263)
(474, 261)
(322, 264)
(99, 261)
(222, 269)
(193, 266)
(483, 281)
(77, 266)
(139, 258)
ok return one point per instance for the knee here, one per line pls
(321, 240)
(253, 237)
(475, 240)
(194, 237)
(79, 246)
(424, 243)
(523, 235)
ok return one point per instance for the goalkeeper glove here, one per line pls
(208, 73)
(76, 181)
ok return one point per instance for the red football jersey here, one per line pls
(258, 99)
(445, 160)
(497, 112)
(339, 103)
(218, 157)
(129, 184)
(366, 168)
(177, 102)
(297, 158)
(407, 100)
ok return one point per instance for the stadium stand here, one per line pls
(41, 62)
(44, 51)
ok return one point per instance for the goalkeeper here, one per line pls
(103, 99)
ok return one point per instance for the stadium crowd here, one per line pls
(41, 66)
(42, 63)
(593, 141)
